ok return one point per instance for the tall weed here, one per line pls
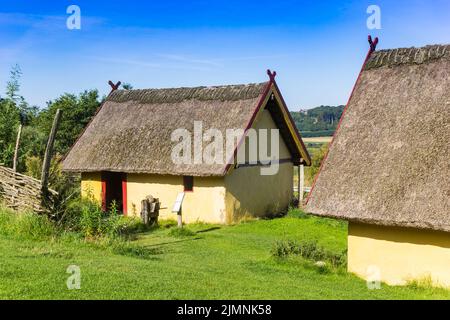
(26, 225)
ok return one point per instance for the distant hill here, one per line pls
(318, 122)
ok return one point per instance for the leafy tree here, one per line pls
(13, 85)
(32, 144)
(127, 86)
(77, 112)
(10, 116)
(14, 110)
(9, 119)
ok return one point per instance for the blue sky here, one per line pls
(316, 47)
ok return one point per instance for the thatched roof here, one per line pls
(389, 162)
(132, 130)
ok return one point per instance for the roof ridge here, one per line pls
(200, 87)
(203, 93)
(405, 56)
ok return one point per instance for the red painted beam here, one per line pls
(124, 195)
(104, 193)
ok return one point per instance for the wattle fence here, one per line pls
(22, 193)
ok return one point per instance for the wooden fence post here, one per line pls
(16, 150)
(301, 184)
(180, 219)
(48, 152)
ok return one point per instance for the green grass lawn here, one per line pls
(216, 262)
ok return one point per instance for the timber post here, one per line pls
(180, 219)
(301, 184)
(16, 150)
(48, 153)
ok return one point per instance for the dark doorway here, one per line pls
(113, 185)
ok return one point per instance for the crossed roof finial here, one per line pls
(373, 44)
(114, 87)
(271, 75)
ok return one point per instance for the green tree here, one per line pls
(10, 116)
(13, 85)
(13, 111)
(77, 112)
(316, 161)
(127, 86)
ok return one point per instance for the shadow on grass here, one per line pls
(156, 245)
(208, 230)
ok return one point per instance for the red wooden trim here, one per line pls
(372, 48)
(249, 125)
(104, 192)
(124, 195)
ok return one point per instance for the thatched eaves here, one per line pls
(389, 162)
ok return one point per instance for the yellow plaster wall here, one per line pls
(401, 254)
(264, 121)
(205, 204)
(91, 186)
(251, 194)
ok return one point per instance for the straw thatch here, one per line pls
(405, 56)
(132, 131)
(389, 163)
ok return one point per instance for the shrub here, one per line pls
(423, 283)
(86, 217)
(284, 248)
(92, 221)
(308, 250)
(78, 215)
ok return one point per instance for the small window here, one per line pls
(188, 184)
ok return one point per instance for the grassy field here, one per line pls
(317, 140)
(207, 262)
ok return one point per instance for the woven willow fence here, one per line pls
(21, 193)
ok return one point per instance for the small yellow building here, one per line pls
(131, 150)
(388, 168)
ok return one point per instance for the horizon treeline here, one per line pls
(318, 122)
